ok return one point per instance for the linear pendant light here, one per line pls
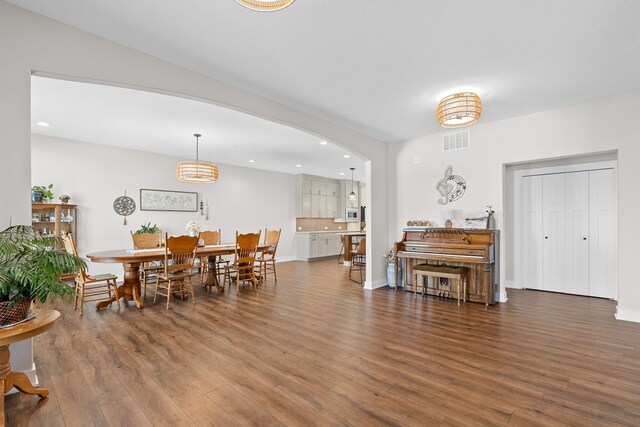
(265, 5)
(197, 172)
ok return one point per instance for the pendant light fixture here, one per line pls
(265, 5)
(459, 110)
(352, 195)
(197, 172)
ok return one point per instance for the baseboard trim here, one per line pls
(627, 315)
(287, 259)
(380, 283)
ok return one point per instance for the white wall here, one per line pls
(604, 125)
(30, 43)
(243, 199)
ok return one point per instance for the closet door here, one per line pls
(553, 230)
(576, 232)
(531, 229)
(602, 236)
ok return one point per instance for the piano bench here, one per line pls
(459, 274)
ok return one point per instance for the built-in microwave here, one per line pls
(351, 215)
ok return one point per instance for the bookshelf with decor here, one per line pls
(54, 219)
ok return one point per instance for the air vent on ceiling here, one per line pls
(456, 141)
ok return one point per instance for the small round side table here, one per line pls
(43, 321)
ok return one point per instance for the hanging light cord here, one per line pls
(197, 135)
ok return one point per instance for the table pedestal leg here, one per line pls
(19, 380)
(212, 274)
(130, 290)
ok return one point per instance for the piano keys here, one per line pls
(478, 250)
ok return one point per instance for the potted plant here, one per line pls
(40, 193)
(64, 199)
(193, 228)
(390, 257)
(148, 229)
(30, 270)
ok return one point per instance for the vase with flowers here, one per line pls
(193, 228)
(490, 220)
(390, 257)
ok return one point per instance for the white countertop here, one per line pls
(330, 231)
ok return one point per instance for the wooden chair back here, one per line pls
(181, 250)
(70, 247)
(211, 237)
(362, 247)
(146, 240)
(246, 248)
(271, 238)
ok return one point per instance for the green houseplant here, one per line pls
(40, 193)
(30, 269)
(148, 228)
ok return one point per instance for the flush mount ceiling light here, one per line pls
(352, 195)
(265, 5)
(459, 109)
(197, 172)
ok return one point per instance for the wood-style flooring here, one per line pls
(315, 349)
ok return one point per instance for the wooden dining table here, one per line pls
(131, 261)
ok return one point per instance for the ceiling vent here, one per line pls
(456, 141)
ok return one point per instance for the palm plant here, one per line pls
(31, 266)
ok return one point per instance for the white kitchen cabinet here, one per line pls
(318, 197)
(313, 246)
(306, 186)
(333, 189)
(318, 188)
(306, 206)
(333, 204)
(337, 244)
(323, 245)
(318, 206)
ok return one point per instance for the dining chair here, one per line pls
(149, 270)
(268, 256)
(359, 258)
(244, 259)
(103, 287)
(211, 238)
(177, 274)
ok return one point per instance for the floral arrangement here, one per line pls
(192, 227)
(490, 211)
(389, 256)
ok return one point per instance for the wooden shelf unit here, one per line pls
(64, 216)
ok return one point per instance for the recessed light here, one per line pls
(43, 124)
(323, 142)
(346, 156)
(252, 161)
(341, 173)
(298, 166)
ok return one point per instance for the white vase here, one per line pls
(193, 233)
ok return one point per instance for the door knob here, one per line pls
(546, 237)
(584, 238)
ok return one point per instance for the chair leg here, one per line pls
(193, 292)
(75, 297)
(82, 300)
(340, 253)
(415, 285)
(115, 292)
(155, 294)
(168, 294)
(275, 275)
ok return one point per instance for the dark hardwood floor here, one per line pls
(315, 349)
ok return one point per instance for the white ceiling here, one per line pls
(164, 124)
(378, 66)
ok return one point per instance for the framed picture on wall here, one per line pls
(165, 200)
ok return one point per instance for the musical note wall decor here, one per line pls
(451, 187)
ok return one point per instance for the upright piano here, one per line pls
(478, 250)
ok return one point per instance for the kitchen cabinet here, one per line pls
(318, 206)
(318, 197)
(306, 186)
(306, 206)
(317, 245)
(333, 204)
(318, 188)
